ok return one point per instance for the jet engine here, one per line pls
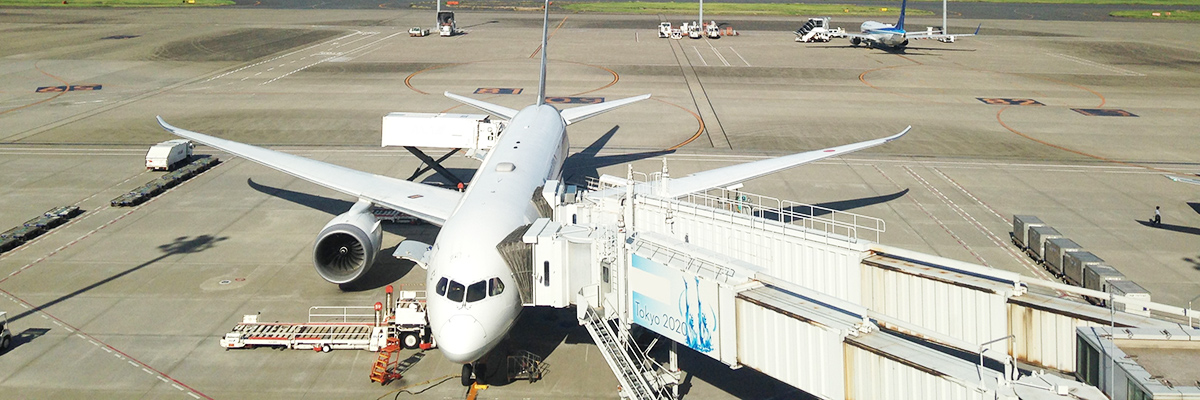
(346, 247)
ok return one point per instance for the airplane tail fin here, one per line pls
(977, 28)
(541, 94)
(903, 7)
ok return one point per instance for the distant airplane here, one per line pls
(1193, 181)
(894, 36)
(474, 300)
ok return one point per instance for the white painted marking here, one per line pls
(93, 342)
(148, 371)
(177, 386)
(332, 58)
(58, 323)
(333, 41)
(740, 56)
(133, 363)
(1091, 63)
(106, 349)
(193, 395)
(163, 379)
(698, 55)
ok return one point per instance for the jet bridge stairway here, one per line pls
(637, 381)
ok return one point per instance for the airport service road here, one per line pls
(132, 301)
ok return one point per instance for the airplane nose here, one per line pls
(462, 339)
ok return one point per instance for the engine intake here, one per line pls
(347, 245)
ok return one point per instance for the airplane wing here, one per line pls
(1184, 180)
(862, 36)
(938, 34)
(741, 172)
(426, 202)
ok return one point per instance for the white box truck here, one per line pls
(167, 154)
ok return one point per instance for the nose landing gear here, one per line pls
(473, 373)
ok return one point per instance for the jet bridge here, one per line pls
(800, 293)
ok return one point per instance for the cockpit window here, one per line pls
(495, 287)
(455, 293)
(441, 286)
(477, 291)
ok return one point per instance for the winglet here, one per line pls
(494, 109)
(541, 94)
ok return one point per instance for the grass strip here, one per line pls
(1175, 15)
(114, 3)
(637, 7)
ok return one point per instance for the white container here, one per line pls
(167, 154)
(1132, 290)
(1021, 225)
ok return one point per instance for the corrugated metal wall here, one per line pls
(1043, 338)
(871, 376)
(830, 268)
(959, 312)
(801, 354)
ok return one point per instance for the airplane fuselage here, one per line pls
(886, 34)
(464, 259)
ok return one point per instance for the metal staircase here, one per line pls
(637, 380)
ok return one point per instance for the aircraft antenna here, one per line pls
(541, 94)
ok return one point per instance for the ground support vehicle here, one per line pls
(818, 30)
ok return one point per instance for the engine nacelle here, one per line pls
(346, 247)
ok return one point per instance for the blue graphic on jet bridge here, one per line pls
(681, 306)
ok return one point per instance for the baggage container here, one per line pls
(1131, 290)
(1037, 240)
(1097, 277)
(1020, 232)
(1054, 250)
(1074, 262)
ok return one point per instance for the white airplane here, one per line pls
(894, 36)
(474, 300)
(1193, 181)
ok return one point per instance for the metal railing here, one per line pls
(758, 211)
(340, 314)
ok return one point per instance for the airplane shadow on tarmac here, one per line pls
(798, 212)
(539, 330)
(577, 167)
(902, 50)
(181, 245)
